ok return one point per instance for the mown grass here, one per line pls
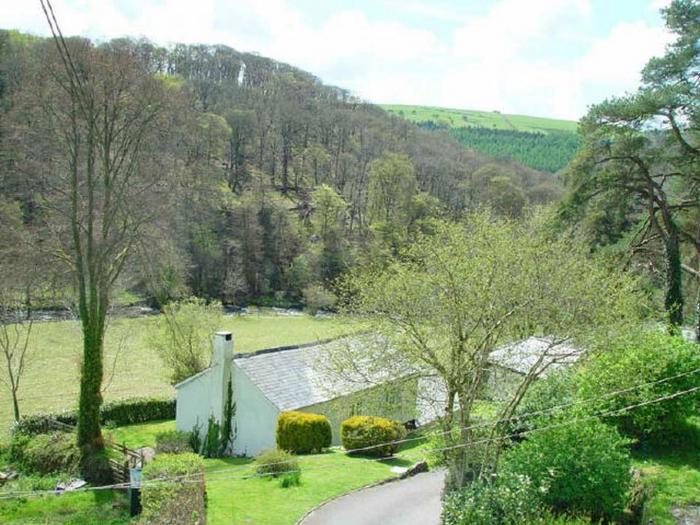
(483, 119)
(236, 495)
(132, 368)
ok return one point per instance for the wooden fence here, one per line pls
(129, 458)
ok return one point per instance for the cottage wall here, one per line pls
(396, 400)
(256, 416)
(194, 402)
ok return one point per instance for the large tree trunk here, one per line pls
(674, 288)
(89, 433)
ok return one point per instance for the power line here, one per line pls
(503, 420)
(187, 477)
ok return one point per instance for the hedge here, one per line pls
(369, 435)
(166, 499)
(301, 432)
(122, 412)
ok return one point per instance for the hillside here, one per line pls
(541, 143)
(273, 176)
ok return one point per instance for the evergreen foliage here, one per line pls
(302, 432)
(373, 436)
(550, 151)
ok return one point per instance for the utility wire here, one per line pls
(187, 478)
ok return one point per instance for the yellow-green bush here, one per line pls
(165, 496)
(369, 435)
(301, 432)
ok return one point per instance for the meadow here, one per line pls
(132, 368)
(455, 118)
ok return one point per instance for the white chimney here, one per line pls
(221, 370)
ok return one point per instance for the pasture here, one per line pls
(455, 118)
(132, 368)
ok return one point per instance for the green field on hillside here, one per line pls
(132, 368)
(457, 118)
(540, 143)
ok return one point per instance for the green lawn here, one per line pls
(455, 118)
(261, 501)
(51, 381)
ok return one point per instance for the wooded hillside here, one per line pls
(270, 182)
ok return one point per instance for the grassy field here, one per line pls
(455, 118)
(131, 367)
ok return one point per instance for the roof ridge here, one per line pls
(276, 349)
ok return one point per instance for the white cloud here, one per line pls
(512, 24)
(505, 59)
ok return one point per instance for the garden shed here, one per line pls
(268, 382)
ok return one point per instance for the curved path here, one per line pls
(411, 501)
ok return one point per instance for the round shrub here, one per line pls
(301, 432)
(52, 453)
(579, 469)
(640, 359)
(369, 435)
(275, 462)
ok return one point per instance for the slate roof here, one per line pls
(520, 357)
(292, 378)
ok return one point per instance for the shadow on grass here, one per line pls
(682, 449)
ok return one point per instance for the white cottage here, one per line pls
(268, 382)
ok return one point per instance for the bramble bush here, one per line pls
(374, 435)
(640, 359)
(580, 469)
(508, 501)
(52, 453)
(170, 500)
(301, 432)
(276, 463)
(554, 390)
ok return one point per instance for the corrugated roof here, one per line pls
(293, 378)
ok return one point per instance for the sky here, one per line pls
(550, 58)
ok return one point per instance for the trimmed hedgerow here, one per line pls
(301, 432)
(166, 499)
(370, 435)
(122, 412)
(137, 410)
